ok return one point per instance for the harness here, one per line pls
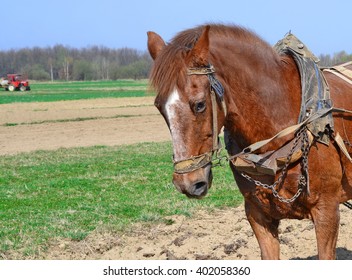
(315, 123)
(216, 92)
(341, 71)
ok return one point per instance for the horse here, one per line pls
(260, 95)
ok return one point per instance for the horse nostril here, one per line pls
(200, 188)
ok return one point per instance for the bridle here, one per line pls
(216, 91)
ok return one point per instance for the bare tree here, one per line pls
(65, 63)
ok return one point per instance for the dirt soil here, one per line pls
(221, 234)
(26, 127)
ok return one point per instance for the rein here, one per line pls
(216, 91)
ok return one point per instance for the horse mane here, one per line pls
(169, 69)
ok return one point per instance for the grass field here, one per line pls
(48, 92)
(69, 193)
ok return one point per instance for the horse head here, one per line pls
(182, 77)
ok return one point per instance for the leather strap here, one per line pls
(291, 129)
(339, 75)
(215, 120)
(341, 71)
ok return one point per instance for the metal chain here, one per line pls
(304, 178)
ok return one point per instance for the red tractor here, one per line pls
(14, 82)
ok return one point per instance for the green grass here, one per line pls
(48, 92)
(69, 193)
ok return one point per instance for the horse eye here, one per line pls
(199, 106)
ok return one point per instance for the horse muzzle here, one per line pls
(194, 184)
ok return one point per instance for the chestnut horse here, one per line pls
(262, 94)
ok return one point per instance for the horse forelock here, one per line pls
(169, 71)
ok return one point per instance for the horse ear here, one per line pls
(155, 44)
(200, 52)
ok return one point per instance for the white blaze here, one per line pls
(173, 107)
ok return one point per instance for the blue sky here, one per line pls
(324, 26)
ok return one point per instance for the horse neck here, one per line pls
(264, 96)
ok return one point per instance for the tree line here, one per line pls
(93, 63)
(327, 60)
(72, 64)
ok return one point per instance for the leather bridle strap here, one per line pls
(216, 90)
(193, 163)
(215, 120)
